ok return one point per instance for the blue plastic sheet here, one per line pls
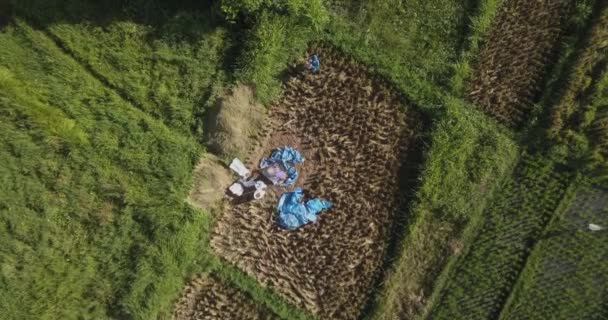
(294, 213)
(315, 64)
(286, 156)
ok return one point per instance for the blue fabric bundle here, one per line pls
(314, 63)
(294, 213)
(285, 155)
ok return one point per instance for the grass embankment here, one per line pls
(413, 44)
(465, 156)
(94, 222)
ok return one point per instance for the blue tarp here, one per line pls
(315, 64)
(284, 155)
(294, 213)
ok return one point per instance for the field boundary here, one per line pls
(265, 296)
(567, 198)
(426, 216)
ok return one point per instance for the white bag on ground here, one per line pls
(236, 189)
(595, 227)
(237, 166)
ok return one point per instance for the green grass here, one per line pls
(172, 72)
(93, 217)
(273, 42)
(465, 155)
(412, 43)
(566, 275)
(101, 114)
(478, 26)
(484, 276)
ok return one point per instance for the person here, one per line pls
(313, 64)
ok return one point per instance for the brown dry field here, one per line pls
(522, 41)
(361, 143)
(206, 298)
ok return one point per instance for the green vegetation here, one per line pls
(103, 108)
(566, 273)
(171, 76)
(413, 43)
(513, 222)
(577, 122)
(92, 193)
(467, 152)
(479, 26)
(272, 42)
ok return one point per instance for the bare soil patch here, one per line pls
(206, 298)
(357, 136)
(513, 62)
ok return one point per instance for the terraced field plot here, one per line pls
(567, 277)
(513, 61)
(360, 142)
(208, 298)
(485, 276)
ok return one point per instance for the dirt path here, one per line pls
(355, 134)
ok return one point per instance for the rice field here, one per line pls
(360, 142)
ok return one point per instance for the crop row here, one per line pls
(567, 276)
(513, 61)
(207, 297)
(582, 78)
(355, 133)
(484, 276)
(579, 113)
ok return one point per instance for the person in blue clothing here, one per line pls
(313, 64)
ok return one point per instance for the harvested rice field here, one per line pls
(511, 66)
(207, 298)
(360, 141)
(455, 159)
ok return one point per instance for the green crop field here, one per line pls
(513, 223)
(565, 276)
(107, 108)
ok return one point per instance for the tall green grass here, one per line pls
(479, 24)
(274, 41)
(94, 222)
(413, 43)
(173, 71)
